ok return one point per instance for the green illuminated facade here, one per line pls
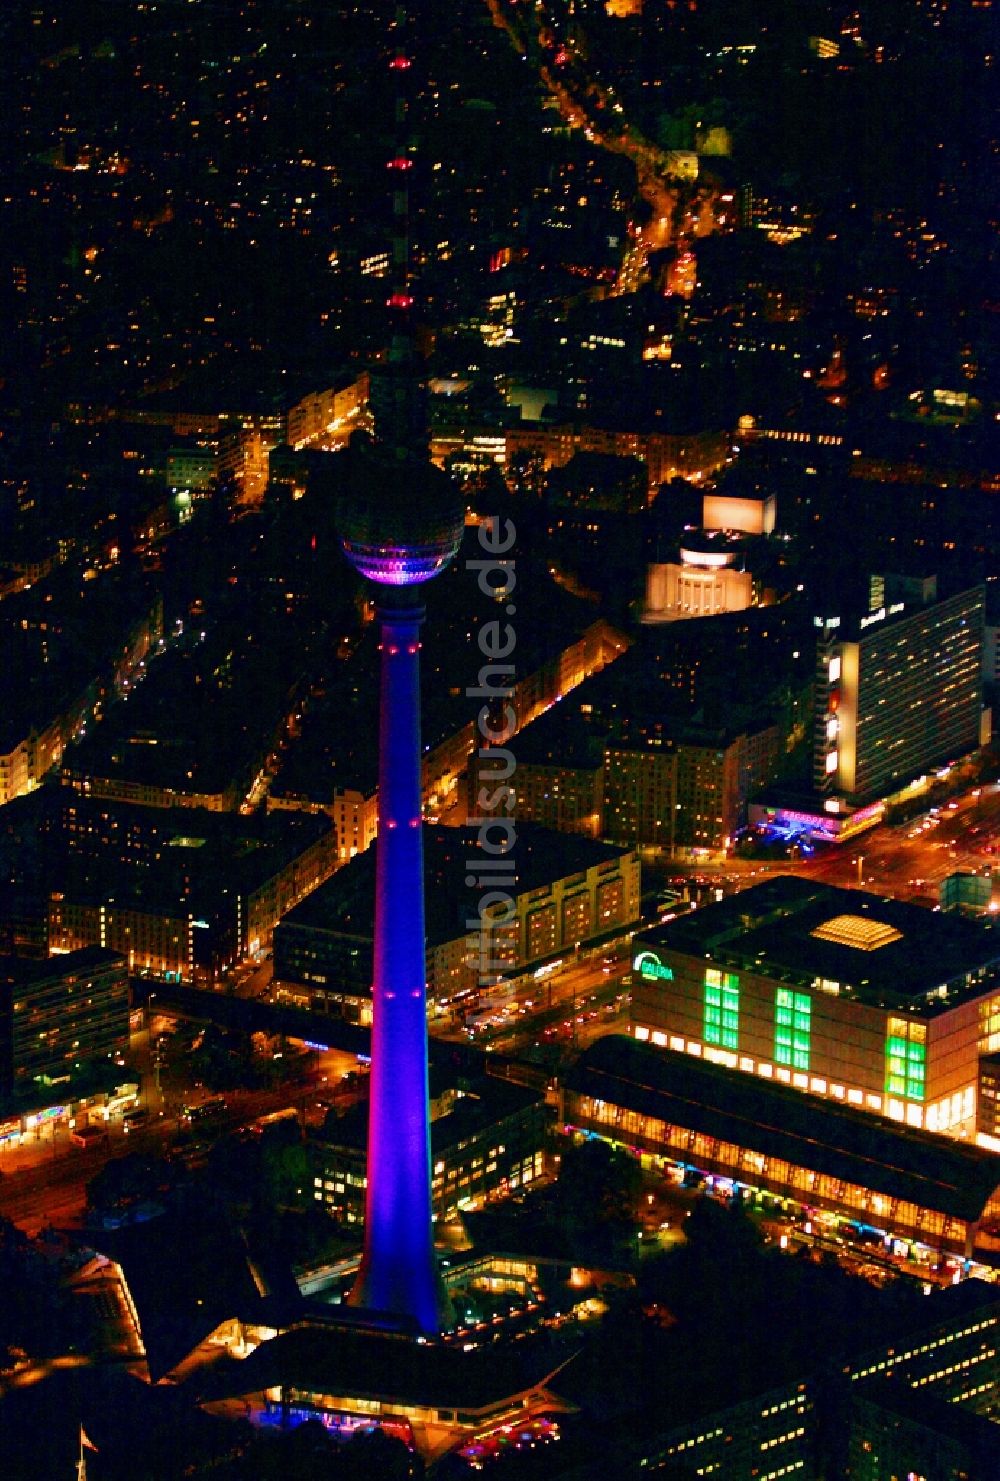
(792, 1028)
(721, 1008)
(905, 1059)
(878, 1005)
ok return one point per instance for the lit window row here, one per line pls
(944, 1341)
(783, 1439)
(797, 1403)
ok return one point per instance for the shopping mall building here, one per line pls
(883, 1006)
(919, 1195)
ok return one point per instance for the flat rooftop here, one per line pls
(878, 950)
(373, 1365)
(558, 738)
(488, 1102)
(23, 971)
(932, 1172)
(346, 903)
(92, 848)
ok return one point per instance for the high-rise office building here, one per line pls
(898, 691)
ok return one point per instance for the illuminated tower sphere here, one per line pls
(400, 524)
(401, 520)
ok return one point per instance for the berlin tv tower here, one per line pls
(401, 522)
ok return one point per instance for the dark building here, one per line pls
(565, 890)
(180, 893)
(684, 787)
(60, 1014)
(487, 1140)
(915, 1406)
(988, 1097)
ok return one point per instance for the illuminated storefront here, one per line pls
(674, 1109)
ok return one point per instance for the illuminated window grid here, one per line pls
(905, 1067)
(905, 1058)
(792, 1028)
(722, 1008)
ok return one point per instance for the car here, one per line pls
(133, 1120)
(88, 1136)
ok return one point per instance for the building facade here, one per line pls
(666, 455)
(487, 1141)
(831, 1162)
(910, 1407)
(881, 1006)
(181, 905)
(566, 891)
(693, 587)
(58, 1015)
(898, 691)
(25, 759)
(685, 793)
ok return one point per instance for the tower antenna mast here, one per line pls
(401, 523)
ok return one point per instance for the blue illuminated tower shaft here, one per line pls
(398, 1269)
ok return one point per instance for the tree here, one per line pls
(685, 1280)
(526, 473)
(33, 1310)
(128, 1180)
(376, 1454)
(597, 1197)
(284, 1166)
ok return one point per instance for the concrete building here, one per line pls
(558, 775)
(329, 768)
(58, 1015)
(623, 768)
(683, 788)
(705, 582)
(180, 895)
(487, 1140)
(191, 468)
(898, 691)
(666, 455)
(566, 890)
(678, 1110)
(35, 733)
(751, 514)
(880, 1005)
(328, 415)
(915, 1405)
(991, 651)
